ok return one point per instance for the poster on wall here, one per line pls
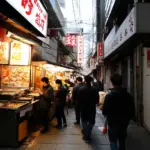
(15, 76)
(20, 53)
(4, 52)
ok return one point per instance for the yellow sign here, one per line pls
(20, 53)
(4, 52)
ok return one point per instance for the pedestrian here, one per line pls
(47, 96)
(88, 97)
(75, 99)
(60, 99)
(118, 108)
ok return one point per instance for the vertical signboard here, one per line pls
(148, 58)
(4, 52)
(71, 40)
(100, 49)
(80, 50)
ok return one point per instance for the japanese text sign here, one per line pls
(80, 50)
(100, 49)
(4, 52)
(33, 12)
(71, 40)
(125, 31)
(20, 53)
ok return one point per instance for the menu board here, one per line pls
(15, 76)
(20, 53)
(4, 52)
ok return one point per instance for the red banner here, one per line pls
(71, 40)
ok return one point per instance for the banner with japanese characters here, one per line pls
(33, 11)
(80, 50)
(71, 40)
(20, 53)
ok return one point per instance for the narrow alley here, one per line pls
(70, 138)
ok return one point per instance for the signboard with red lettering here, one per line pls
(148, 58)
(71, 40)
(100, 49)
(33, 12)
(80, 50)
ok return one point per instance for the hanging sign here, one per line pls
(100, 49)
(4, 52)
(80, 50)
(20, 53)
(33, 11)
(148, 58)
(71, 40)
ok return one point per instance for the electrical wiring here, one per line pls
(74, 13)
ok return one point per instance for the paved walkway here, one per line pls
(70, 138)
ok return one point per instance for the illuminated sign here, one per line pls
(32, 11)
(4, 52)
(20, 53)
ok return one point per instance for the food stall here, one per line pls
(15, 103)
(54, 72)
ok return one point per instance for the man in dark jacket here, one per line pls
(118, 108)
(75, 99)
(88, 97)
(60, 99)
(47, 96)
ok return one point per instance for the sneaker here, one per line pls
(76, 123)
(87, 140)
(65, 125)
(82, 131)
(58, 126)
(44, 130)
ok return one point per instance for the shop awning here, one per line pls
(60, 65)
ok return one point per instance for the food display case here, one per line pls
(7, 95)
(13, 126)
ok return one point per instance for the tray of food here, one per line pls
(25, 99)
(34, 94)
(11, 93)
(12, 104)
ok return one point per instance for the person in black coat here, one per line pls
(47, 96)
(119, 109)
(60, 100)
(88, 97)
(75, 99)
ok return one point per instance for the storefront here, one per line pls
(19, 26)
(126, 48)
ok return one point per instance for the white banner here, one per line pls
(33, 12)
(80, 50)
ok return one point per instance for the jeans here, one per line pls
(117, 137)
(87, 129)
(44, 117)
(77, 112)
(60, 115)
